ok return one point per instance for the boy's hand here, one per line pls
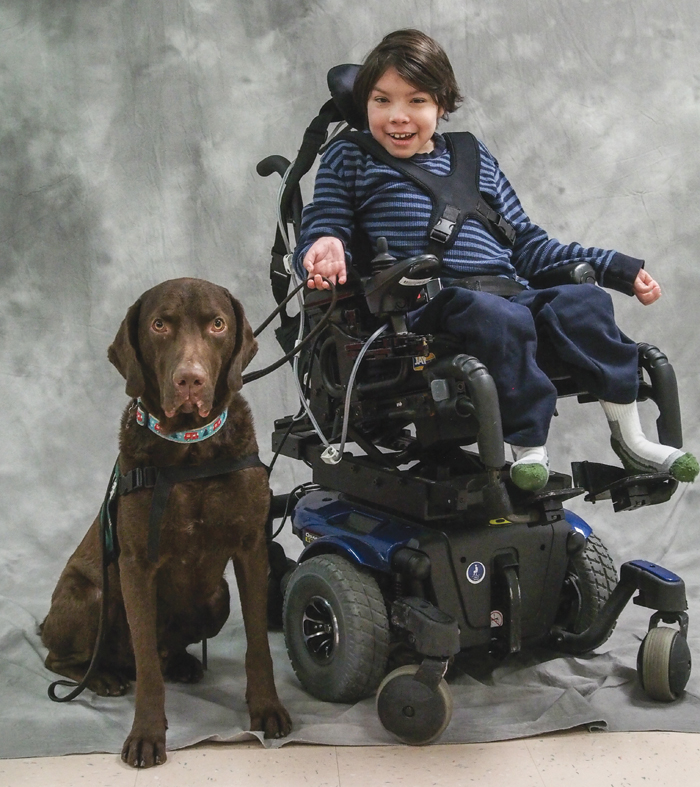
(325, 258)
(646, 289)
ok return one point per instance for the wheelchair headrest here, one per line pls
(340, 81)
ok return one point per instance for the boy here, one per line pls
(405, 86)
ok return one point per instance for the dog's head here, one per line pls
(182, 348)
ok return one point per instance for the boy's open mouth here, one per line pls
(404, 135)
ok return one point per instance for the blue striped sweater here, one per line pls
(354, 188)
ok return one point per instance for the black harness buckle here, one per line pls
(138, 478)
(442, 231)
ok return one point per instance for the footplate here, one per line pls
(627, 492)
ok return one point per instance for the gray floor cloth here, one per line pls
(524, 696)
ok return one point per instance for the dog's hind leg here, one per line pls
(70, 629)
(204, 621)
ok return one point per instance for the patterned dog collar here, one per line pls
(190, 436)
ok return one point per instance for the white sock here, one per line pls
(530, 455)
(626, 428)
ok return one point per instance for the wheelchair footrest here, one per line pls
(627, 492)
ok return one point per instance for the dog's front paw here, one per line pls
(143, 750)
(272, 718)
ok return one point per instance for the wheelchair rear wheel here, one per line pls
(336, 629)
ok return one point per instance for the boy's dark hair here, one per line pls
(419, 60)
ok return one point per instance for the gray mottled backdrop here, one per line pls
(129, 135)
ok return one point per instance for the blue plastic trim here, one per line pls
(578, 524)
(359, 552)
(656, 570)
(320, 519)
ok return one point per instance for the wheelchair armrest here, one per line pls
(663, 390)
(571, 273)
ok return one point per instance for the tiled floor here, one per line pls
(570, 759)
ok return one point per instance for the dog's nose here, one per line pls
(189, 378)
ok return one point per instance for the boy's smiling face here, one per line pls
(401, 117)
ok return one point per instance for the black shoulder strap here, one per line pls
(162, 480)
(455, 196)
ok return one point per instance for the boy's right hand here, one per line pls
(326, 258)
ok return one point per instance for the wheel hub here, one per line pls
(320, 629)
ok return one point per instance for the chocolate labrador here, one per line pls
(182, 348)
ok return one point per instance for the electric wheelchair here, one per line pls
(416, 544)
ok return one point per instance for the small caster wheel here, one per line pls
(410, 710)
(663, 664)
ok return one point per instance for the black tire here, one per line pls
(590, 579)
(336, 629)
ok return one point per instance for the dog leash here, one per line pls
(107, 517)
(161, 480)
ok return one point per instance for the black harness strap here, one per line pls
(162, 480)
(455, 197)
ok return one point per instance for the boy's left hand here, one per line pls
(646, 289)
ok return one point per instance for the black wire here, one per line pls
(284, 440)
(248, 378)
(273, 314)
(301, 488)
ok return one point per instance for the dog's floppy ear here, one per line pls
(245, 348)
(123, 352)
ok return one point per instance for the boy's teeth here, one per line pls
(401, 136)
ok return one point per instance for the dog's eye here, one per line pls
(158, 325)
(218, 325)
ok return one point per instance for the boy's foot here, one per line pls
(679, 465)
(639, 455)
(530, 470)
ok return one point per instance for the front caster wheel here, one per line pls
(663, 664)
(410, 710)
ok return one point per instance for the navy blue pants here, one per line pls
(576, 320)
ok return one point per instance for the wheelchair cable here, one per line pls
(281, 224)
(333, 455)
(297, 382)
(294, 353)
(295, 495)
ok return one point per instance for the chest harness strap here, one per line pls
(455, 196)
(161, 480)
